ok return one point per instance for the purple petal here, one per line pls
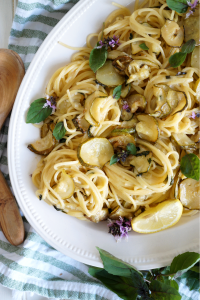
(125, 106)
(193, 116)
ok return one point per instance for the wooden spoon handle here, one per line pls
(11, 220)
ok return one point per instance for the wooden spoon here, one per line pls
(11, 74)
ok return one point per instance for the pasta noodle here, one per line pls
(120, 185)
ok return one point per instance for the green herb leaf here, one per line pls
(117, 92)
(37, 112)
(191, 280)
(114, 159)
(115, 266)
(170, 282)
(179, 6)
(190, 166)
(177, 59)
(145, 153)
(97, 58)
(131, 148)
(183, 262)
(122, 286)
(59, 131)
(162, 291)
(144, 46)
(140, 285)
(189, 46)
(131, 36)
(196, 268)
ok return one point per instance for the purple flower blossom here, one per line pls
(119, 228)
(192, 6)
(51, 103)
(125, 106)
(109, 42)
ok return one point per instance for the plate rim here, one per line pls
(69, 19)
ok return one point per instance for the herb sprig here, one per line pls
(40, 109)
(178, 58)
(131, 284)
(190, 166)
(143, 46)
(123, 154)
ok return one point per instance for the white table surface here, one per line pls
(7, 9)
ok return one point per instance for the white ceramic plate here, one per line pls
(70, 236)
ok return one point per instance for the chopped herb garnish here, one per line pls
(131, 148)
(114, 159)
(178, 58)
(58, 209)
(59, 131)
(131, 36)
(145, 153)
(143, 46)
(40, 197)
(62, 140)
(117, 92)
(119, 228)
(168, 77)
(172, 181)
(190, 166)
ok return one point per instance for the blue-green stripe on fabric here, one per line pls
(28, 270)
(37, 239)
(45, 258)
(24, 49)
(50, 293)
(36, 18)
(37, 5)
(4, 160)
(28, 33)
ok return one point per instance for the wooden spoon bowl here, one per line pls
(11, 74)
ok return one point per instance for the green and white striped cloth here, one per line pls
(35, 266)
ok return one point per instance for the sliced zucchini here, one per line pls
(125, 90)
(191, 27)
(121, 131)
(183, 140)
(182, 103)
(189, 193)
(129, 124)
(139, 211)
(122, 140)
(121, 63)
(195, 58)
(102, 215)
(137, 103)
(44, 130)
(89, 132)
(147, 128)
(88, 103)
(196, 137)
(115, 53)
(108, 75)
(81, 124)
(44, 145)
(65, 186)
(141, 163)
(126, 115)
(172, 33)
(135, 47)
(95, 152)
(97, 109)
(119, 212)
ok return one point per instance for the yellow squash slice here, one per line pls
(160, 217)
(189, 193)
(147, 128)
(108, 75)
(44, 145)
(95, 152)
(65, 186)
(183, 140)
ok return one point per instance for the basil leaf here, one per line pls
(117, 92)
(131, 148)
(37, 112)
(97, 58)
(144, 46)
(114, 159)
(122, 286)
(115, 266)
(189, 46)
(140, 285)
(145, 153)
(183, 262)
(177, 59)
(162, 291)
(190, 166)
(179, 6)
(191, 280)
(59, 131)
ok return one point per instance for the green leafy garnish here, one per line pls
(179, 6)
(183, 262)
(145, 153)
(117, 92)
(189, 46)
(38, 112)
(98, 58)
(190, 166)
(114, 159)
(131, 36)
(59, 131)
(177, 59)
(131, 148)
(143, 46)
